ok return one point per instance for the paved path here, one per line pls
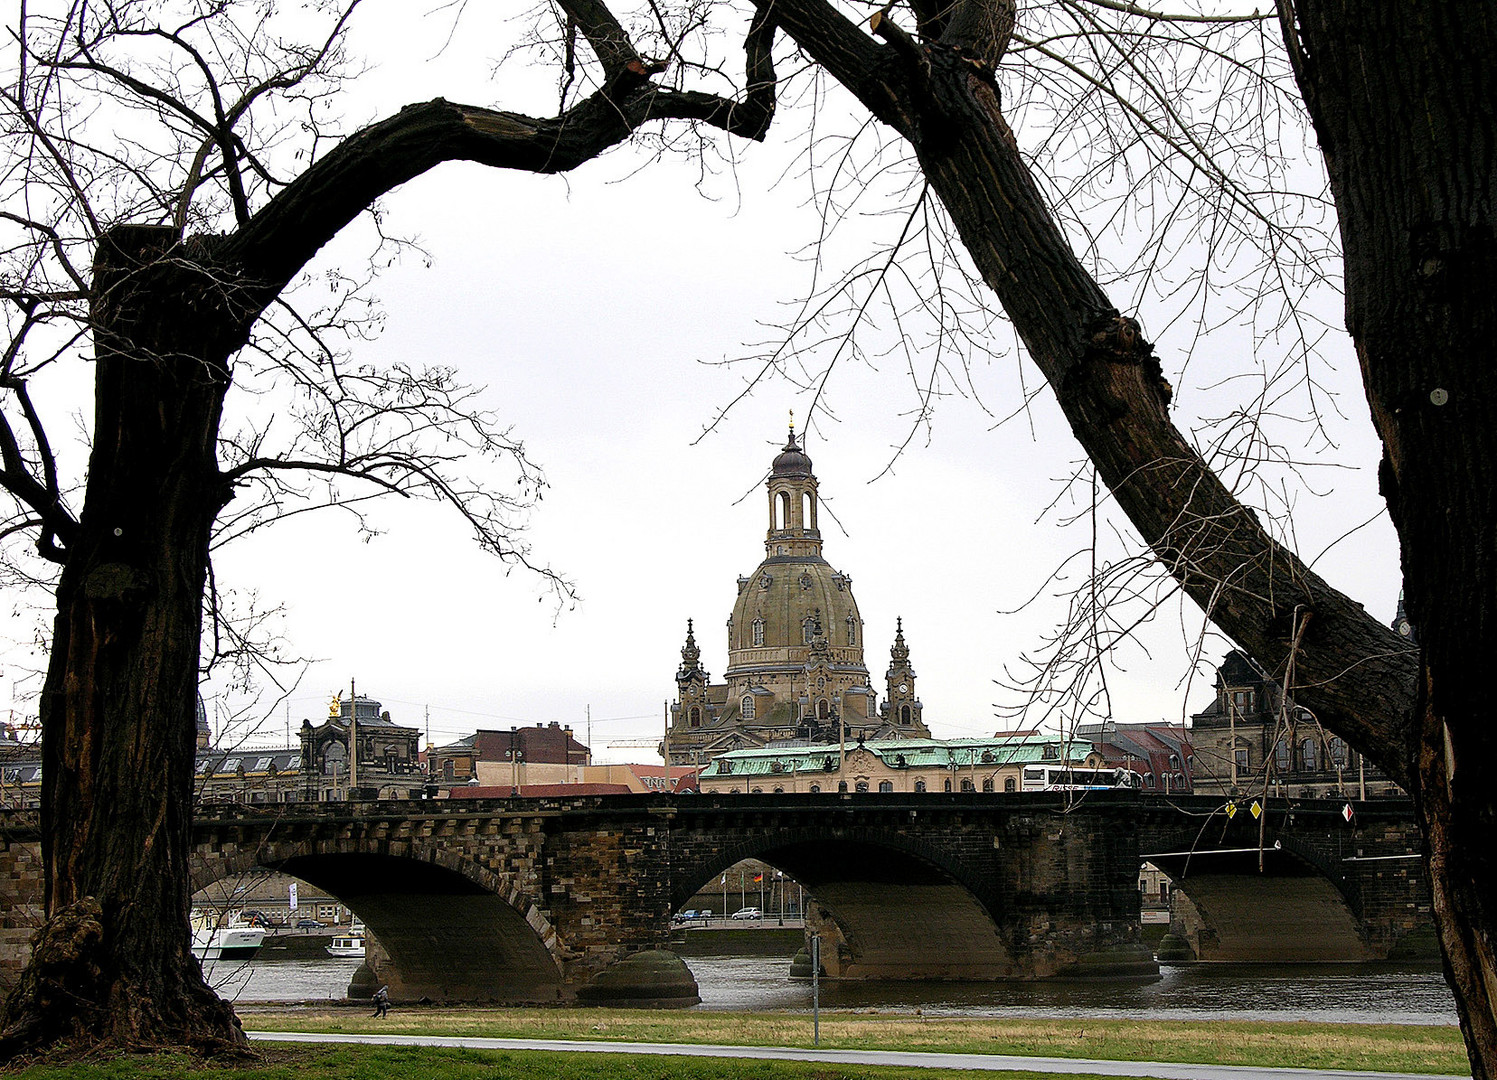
(906, 1059)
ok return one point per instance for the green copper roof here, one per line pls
(901, 754)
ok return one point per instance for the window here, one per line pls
(967, 785)
(758, 632)
(1174, 761)
(779, 791)
(696, 716)
(842, 788)
(948, 785)
(1148, 780)
(1338, 752)
(886, 785)
(1281, 756)
(904, 714)
(447, 769)
(748, 706)
(1241, 757)
(920, 786)
(987, 784)
(862, 786)
(758, 791)
(1244, 701)
(815, 789)
(823, 710)
(852, 630)
(808, 630)
(1309, 755)
(1008, 784)
(782, 504)
(1050, 752)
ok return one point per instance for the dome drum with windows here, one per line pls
(795, 647)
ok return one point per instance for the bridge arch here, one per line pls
(446, 927)
(888, 905)
(1296, 908)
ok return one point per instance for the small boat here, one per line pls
(351, 945)
(224, 935)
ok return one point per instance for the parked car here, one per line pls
(683, 916)
(748, 913)
(308, 924)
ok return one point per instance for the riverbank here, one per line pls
(1362, 1047)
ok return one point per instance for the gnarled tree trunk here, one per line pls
(112, 962)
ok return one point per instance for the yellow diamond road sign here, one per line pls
(1257, 810)
(1231, 810)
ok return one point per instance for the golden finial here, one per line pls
(335, 707)
(792, 425)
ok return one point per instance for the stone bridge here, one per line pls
(533, 899)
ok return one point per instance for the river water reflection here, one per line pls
(1359, 993)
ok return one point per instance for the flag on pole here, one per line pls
(758, 879)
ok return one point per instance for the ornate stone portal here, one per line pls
(795, 648)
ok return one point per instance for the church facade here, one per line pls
(796, 673)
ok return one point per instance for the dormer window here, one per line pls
(852, 630)
(1242, 701)
(808, 630)
(747, 707)
(758, 633)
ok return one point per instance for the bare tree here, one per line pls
(1402, 109)
(167, 174)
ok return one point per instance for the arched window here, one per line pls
(807, 510)
(842, 788)
(779, 791)
(863, 786)
(808, 630)
(886, 785)
(782, 505)
(758, 791)
(1148, 780)
(987, 783)
(1309, 754)
(967, 785)
(904, 714)
(1338, 752)
(1174, 761)
(447, 769)
(823, 710)
(734, 791)
(747, 707)
(948, 785)
(920, 786)
(1281, 756)
(758, 633)
(695, 716)
(815, 789)
(852, 630)
(1008, 784)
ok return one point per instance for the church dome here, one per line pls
(781, 608)
(791, 461)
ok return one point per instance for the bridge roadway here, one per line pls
(536, 899)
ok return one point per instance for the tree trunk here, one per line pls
(112, 962)
(1401, 95)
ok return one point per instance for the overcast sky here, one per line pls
(597, 310)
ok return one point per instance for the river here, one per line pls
(1335, 993)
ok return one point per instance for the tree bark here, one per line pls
(1401, 97)
(112, 963)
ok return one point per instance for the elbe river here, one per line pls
(1336, 993)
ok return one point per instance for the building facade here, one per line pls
(1250, 739)
(900, 765)
(795, 647)
(385, 763)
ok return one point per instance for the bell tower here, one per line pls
(691, 684)
(902, 707)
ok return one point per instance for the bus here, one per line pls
(1070, 778)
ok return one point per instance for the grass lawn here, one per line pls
(281, 1062)
(1381, 1048)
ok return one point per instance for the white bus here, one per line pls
(1069, 778)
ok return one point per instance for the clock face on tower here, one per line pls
(904, 688)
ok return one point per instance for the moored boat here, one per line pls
(224, 935)
(349, 945)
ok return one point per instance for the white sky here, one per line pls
(594, 308)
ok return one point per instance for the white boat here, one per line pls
(224, 935)
(351, 945)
